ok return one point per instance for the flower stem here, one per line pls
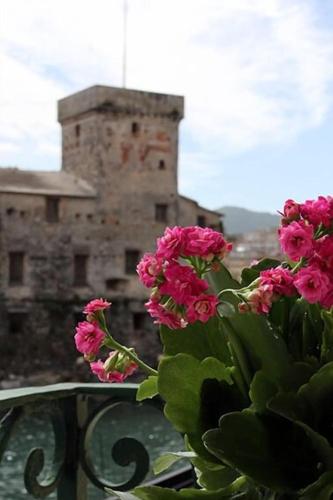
(113, 344)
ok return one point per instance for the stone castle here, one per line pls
(78, 233)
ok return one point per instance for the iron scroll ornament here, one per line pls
(124, 452)
(36, 457)
(35, 461)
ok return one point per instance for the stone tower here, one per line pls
(125, 143)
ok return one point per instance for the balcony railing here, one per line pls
(75, 423)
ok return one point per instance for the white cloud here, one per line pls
(6, 147)
(253, 72)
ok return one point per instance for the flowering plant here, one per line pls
(247, 367)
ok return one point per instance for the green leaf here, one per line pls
(226, 309)
(264, 347)
(180, 382)
(221, 280)
(250, 274)
(212, 476)
(147, 389)
(200, 340)
(288, 405)
(274, 452)
(321, 489)
(327, 337)
(165, 461)
(318, 395)
(157, 493)
(262, 389)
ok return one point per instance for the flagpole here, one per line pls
(125, 11)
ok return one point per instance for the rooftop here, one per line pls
(101, 98)
(58, 183)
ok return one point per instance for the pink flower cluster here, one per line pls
(272, 284)
(89, 339)
(179, 294)
(306, 236)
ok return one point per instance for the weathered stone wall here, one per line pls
(47, 300)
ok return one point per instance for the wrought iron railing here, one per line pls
(75, 411)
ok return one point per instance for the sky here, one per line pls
(257, 77)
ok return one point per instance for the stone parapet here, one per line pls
(102, 98)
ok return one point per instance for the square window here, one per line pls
(131, 261)
(16, 322)
(52, 209)
(161, 212)
(201, 221)
(135, 128)
(16, 268)
(139, 320)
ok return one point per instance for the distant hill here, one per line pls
(239, 220)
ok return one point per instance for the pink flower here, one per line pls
(312, 284)
(291, 211)
(205, 243)
(96, 305)
(327, 300)
(202, 308)
(106, 372)
(260, 299)
(324, 252)
(88, 337)
(182, 283)
(97, 367)
(164, 316)
(149, 268)
(317, 211)
(282, 280)
(297, 240)
(171, 243)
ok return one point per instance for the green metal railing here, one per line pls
(74, 419)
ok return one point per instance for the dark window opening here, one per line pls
(52, 209)
(139, 319)
(10, 211)
(80, 270)
(161, 165)
(16, 268)
(89, 217)
(135, 128)
(161, 212)
(16, 322)
(115, 284)
(78, 317)
(22, 213)
(77, 131)
(131, 261)
(201, 221)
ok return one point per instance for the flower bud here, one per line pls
(111, 363)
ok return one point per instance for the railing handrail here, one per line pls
(10, 398)
(72, 417)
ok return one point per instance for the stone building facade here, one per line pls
(69, 236)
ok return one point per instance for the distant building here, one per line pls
(253, 246)
(71, 235)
